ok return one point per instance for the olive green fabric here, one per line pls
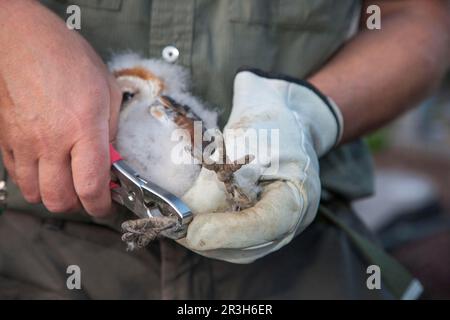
(215, 38)
(397, 279)
(321, 263)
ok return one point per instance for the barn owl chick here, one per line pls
(156, 102)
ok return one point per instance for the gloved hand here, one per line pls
(309, 124)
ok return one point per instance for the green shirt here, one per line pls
(215, 38)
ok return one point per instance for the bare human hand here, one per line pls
(58, 111)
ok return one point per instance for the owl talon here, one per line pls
(225, 173)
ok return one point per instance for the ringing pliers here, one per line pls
(144, 198)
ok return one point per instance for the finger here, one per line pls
(27, 177)
(56, 185)
(8, 162)
(91, 175)
(273, 217)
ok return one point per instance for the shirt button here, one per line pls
(170, 54)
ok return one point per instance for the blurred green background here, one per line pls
(411, 209)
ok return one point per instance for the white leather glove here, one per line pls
(309, 124)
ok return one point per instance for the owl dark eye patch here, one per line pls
(127, 96)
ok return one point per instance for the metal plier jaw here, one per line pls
(145, 198)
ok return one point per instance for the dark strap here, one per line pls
(394, 276)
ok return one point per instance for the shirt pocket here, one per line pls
(110, 25)
(284, 14)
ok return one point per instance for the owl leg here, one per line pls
(225, 173)
(225, 169)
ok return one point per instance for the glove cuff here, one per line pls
(321, 114)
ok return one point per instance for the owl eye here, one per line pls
(127, 96)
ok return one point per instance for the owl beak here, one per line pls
(159, 113)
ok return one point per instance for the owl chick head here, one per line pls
(143, 81)
(138, 84)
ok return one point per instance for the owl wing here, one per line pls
(167, 109)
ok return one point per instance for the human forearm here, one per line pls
(381, 73)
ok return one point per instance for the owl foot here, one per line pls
(225, 169)
(139, 233)
(225, 173)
